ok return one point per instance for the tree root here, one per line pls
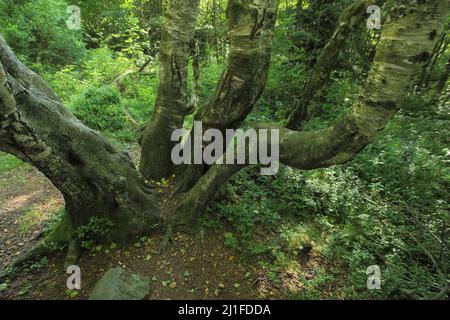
(188, 177)
(167, 240)
(73, 253)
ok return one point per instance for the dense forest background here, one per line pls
(305, 234)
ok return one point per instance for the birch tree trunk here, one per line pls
(242, 82)
(406, 43)
(171, 103)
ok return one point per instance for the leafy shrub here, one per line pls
(96, 231)
(37, 31)
(116, 24)
(346, 219)
(103, 107)
(230, 241)
(100, 108)
(104, 66)
(39, 264)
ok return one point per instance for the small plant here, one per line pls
(25, 290)
(297, 239)
(95, 232)
(3, 287)
(39, 264)
(230, 241)
(72, 293)
(143, 239)
(51, 224)
(99, 107)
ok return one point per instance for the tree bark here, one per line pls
(298, 14)
(401, 53)
(195, 77)
(94, 177)
(171, 102)
(243, 80)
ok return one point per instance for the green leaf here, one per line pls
(3, 286)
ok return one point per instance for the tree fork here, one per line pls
(401, 53)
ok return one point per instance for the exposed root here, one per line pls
(188, 178)
(73, 253)
(167, 239)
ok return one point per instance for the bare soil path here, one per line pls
(27, 200)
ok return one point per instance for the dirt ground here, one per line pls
(193, 267)
(27, 199)
(189, 269)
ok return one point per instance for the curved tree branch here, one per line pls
(244, 77)
(352, 19)
(401, 53)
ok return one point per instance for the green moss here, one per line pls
(29, 220)
(9, 162)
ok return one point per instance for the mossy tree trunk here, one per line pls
(95, 178)
(251, 26)
(171, 103)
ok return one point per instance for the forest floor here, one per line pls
(193, 266)
(27, 200)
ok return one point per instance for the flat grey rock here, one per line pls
(117, 284)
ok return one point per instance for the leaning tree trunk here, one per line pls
(95, 178)
(171, 101)
(242, 82)
(406, 43)
(352, 19)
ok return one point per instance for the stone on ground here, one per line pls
(117, 284)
